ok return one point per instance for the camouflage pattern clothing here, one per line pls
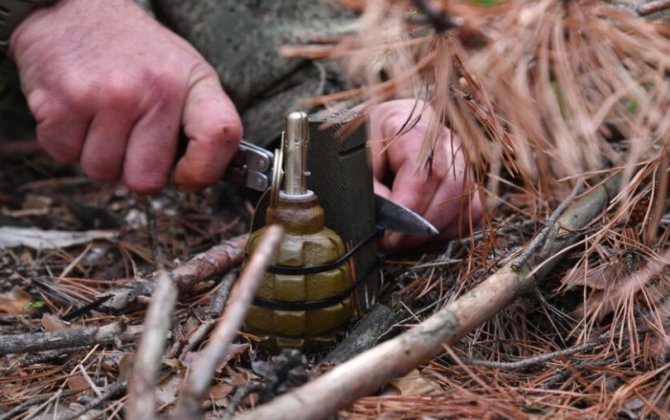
(242, 38)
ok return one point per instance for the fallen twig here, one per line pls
(78, 337)
(147, 363)
(216, 306)
(44, 357)
(29, 403)
(203, 266)
(536, 360)
(198, 380)
(550, 229)
(55, 397)
(112, 391)
(368, 372)
(653, 7)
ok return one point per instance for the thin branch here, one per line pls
(549, 231)
(147, 363)
(11, 414)
(112, 391)
(653, 7)
(536, 360)
(198, 380)
(213, 262)
(370, 371)
(79, 337)
(216, 306)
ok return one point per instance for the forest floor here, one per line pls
(540, 357)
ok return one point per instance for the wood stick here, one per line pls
(112, 391)
(241, 297)
(370, 371)
(219, 299)
(141, 400)
(653, 7)
(78, 337)
(535, 360)
(213, 262)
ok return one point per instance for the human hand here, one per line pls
(110, 87)
(445, 196)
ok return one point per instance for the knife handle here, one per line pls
(251, 167)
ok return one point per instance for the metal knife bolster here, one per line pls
(251, 167)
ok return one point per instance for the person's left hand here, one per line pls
(444, 192)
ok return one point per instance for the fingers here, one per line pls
(151, 147)
(214, 130)
(103, 153)
(381, 189)
(60, 132)
(417, 194)
(440, 192)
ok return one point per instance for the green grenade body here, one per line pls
(306, 242)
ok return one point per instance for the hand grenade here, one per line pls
(303, 301)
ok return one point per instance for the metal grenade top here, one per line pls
(298, 304)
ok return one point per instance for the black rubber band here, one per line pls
(320, 268)
(283, 305)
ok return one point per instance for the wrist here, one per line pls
(12, 13)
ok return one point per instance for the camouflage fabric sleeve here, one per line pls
(241, 38)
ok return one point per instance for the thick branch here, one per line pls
(368, 372)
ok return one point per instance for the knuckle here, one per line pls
(161, 86)
(116, 92)
(64, 151)
(40, 105)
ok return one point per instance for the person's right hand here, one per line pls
(110, 87)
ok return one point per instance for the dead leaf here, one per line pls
(16, 301)
(166, 391)
(235, 349)
(126, 365)
(37, 202)
(598, 278)
(53, 323)
(173, 364)
(414, 383)
(77, 383)
(220, 391)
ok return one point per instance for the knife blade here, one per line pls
(251, 167)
